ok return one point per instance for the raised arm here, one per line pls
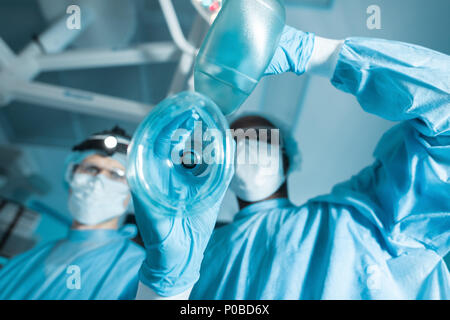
(395, 80)
(406, 193)
(398, 82)
(408, 187)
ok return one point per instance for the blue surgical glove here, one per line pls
(293, 53)
(174, 248)
(174, 244)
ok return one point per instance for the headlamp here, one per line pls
(108, 144)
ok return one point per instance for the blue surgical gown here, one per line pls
(106, 267)
(382, 234)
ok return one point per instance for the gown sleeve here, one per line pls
(406, 192)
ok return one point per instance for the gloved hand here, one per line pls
(174, 245)
(293, 53)
(174, 248)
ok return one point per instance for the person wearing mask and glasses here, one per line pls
(97, 260)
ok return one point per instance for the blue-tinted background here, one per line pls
(335, 136)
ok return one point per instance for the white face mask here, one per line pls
(259, 170)
(96, 199)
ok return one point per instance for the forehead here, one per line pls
(251, 122)
(104, 162)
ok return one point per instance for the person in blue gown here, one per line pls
(97, 260)
(382, 234)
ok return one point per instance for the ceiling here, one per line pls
(20, 20)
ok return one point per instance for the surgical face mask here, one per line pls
(258, 170)
(96, 199)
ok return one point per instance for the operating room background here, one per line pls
(335, 136)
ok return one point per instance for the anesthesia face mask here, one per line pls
(181, 156)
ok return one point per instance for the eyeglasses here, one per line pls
(92, 169)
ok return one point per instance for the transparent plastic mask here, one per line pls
(181, 156)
